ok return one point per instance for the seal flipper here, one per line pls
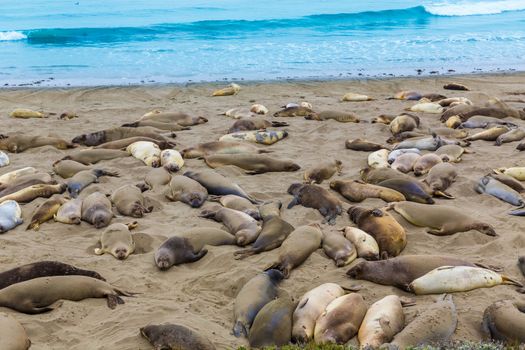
(293, 203)
(114, 300)
(196, 256)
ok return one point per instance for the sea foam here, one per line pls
(12, 36)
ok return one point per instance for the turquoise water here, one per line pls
(128, 42)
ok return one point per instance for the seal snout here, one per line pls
(121, 253)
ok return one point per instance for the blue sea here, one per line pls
(120, 42)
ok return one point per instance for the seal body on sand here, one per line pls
(323, 171)
(273, 324)
(340, 320)
(173, 117)
(92, 156)
(405, 162)
(96, 209)
(491, 134)
(267, 137)
(117, 241)
(218, 185)
(84, 178)
(342, 117)
(252, 163)
(25, 113)
(353, 97)
(364, 243)
(425, 163)
(410, 188)
(358, 191)
(67, 168)
(426, 107)
(175, 251)
(455, 86)
(122, 144)
(252, 297)
(392, 156)
(171, 160)
(220, 147)
(499, 190)
(452, 153)
(186, 190)
(362, 145)
(11, 176)
(129, 201)
(157, 178)
(295, 111)
(245, 228)
(156, 125)
(26, 181)
(114, 134)
(516, 172)
(70, 212)
(505, 321)
(312, 196)
(28, 194)
(378, 159)
(148, 152)
(19, 143)
(423, 143)
(253, 124)
(388, 233)
(238, 203)
(440, 177)
(45, 212)
(296, 248)
(13, 334)
(36, 295)
(376, 176)
(10, 215)
(338, 248)
(482, 122)
(42, 269)
(201, 236)
(311, 305)
(511, 136)
(404, 122)
(172, 336)
(509, 181)
(230, 90)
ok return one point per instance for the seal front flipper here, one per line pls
(114, 300)
(196, 256)
(293, 203)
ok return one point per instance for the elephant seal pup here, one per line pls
(19, 143)
(13, 334)
(452, 153)
(173, 117)
(67, 168)
(499, 190)
(114, 134)
(423, 143)
(405, 162)
(296, 248)
(338, 248)
(252, 297)
(238, 203)
(37, 295)
(117, 241)
(491, 134)
(124, 143)
(296, 111)
(340, 320)
(8, 178)
(482, 122)
(171, 160)
(509, 181)
(388, 233)
(219, 185)
(220, 147)
(230, 90)
(365, 244)
(25, 181)
(378, 159)
(274, 231)
(404, 122)
(375, 176)
(504, 321)
(323, 171)
(25, 113)
(176, 251)
(45, 212)
(440, 177)
(273, 324)
(402, 270)
(92, 156)
(10, 215)
(362, 145)
(147, 152)
(84, 178)
(252, 163)
(412, 189)
(70, 212)
(157, 178)
(201, 236)
(516, 172)
(342, 117)
(358, 191)
(425, 163)
(186, 190)
(156, 125)
(42, 269)
(310, 307)
(28, 194)
(383, 119)
(267, 137)
(453, 122)
(173, 336)
(442, 220)
(129, 201)
(353, 97)
(511, 136)
(96, 209)
(435, 325)
(426, 107)
(312, 196)
(245, 228)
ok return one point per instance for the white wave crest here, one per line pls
(471, 8)
(11, 36)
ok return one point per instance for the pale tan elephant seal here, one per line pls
(117, 240)
(323, 171)
(504, 321)
(129, 201)
(13, 334)
(186, 190)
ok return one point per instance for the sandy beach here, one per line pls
(201, 295)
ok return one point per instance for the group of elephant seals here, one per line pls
(323, 171)
(172, 336)
(20, 143)
(96, 209)
(186, 190)
(312, 196)
(13, 334)
(252, 163)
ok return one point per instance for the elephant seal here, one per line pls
(273, 324)
(147, 152)
(404, 122)
(358, 191)
(42, 269)
(253, 124)
(521, 147)
(45, 212)
(426, 107)
(220, 147)
(117, 241)
(252, 297)
(509, 181)
(129, 201)
(406, 95)
(30, 193)
(312, 196)
(124, 143)
(19, 143)
(310, 307)
(186, 190)
(342, 117)
(455, 86)
(388, 233)
(376, 176)
(67, 168)
(252, 163)
(424, 163)
(340, 320)
(482, 122)
(499, 190)
(230, 90)
(440, 177)
(452, 153)
(401, 270)
(274, 231)
(26, 181)
(11, 176)
(511, 136)
(442, 220)
(200, 236)
(176, 251)
(423, 143)
(114, 134)
(362, 145)
(453, 122)
(295, 111)
(70, 212)
(491, 134)
(405, 162)
(516, 172)
(383, 119)
(10, 215)
(238, 203)
(219, 185)
(504, 321)
(258, 109)
(378, 159)
(410, 188)
(171, 160)
(92, 156)
(338, 248)
(25, 113)
(13, 334)
(156, 125)
(267, 137)
(296, 248)
(84, 178)
(96, 209)
(435, 325)
(157, 178)
(392, 156)
(353, 97)
(323, 171)
(365, 244)
(173, 117)
(238, 113)
(245, 228)
(173, 336)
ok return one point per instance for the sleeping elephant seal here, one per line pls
(201, 236)
(389, 234)
(70, 212)
(499, 190)
(238, 203)
(175, 251)
(173, 117)
(10, 215)
(316, 197)
(20, 143)
(505, 321)
(124, 143)
(245, 228)
(412, 189)
(45, 212)
(220, 147)
(129, 201)
(30, 193)
(296, 248)
(114, 134)
(117, 240)
(156, 125)
(186, 190)
(358, 191)
(13, 334)
(252, 163)
(93, 155)
(323, 171)
(66, 168)
(252, 297)
(424, 163)
(37, 295)
(96, 209)
(84, 178)
(42, 269)
(273, 324)
(338, 248)
(362, 145)
(157, 178)
(440, 177)
(172, 336)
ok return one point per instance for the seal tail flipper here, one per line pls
(511, 281)
(114, 300)
(244, 253)
(34, 225)
(264, 151)
(239, 329)
(355, 288)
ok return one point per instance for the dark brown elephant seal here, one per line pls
(114, 134)
(123, 143)
(312, 196)
(42, 269)
(37, 295)
(92, 156)
(505, 321)
(173, 336)
(252, 163)
(173, 117)
(84, 178)
(363, 145)
(175, 251)
(358, 191)
(96, 209)
(253, 124)
(19, 143)
(186, 190)
(273, 324)
(388, 233)
(221, 147)
(323, 171)
(129, 201)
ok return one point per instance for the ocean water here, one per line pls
(119, 42)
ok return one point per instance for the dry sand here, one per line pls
(201, 295)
